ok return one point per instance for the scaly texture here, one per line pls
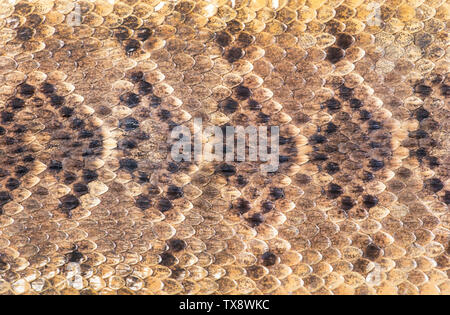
(90, 202)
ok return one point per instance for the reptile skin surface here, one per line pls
(91, 202)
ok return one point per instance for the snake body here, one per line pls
(91, 202)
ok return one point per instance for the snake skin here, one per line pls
(92, 204)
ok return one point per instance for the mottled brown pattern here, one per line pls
(91, 203)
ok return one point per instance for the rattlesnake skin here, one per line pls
(92, 204)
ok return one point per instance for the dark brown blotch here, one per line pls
(177, 245)
(423, 90)
(25, 33)
(255, 220)
(269, 259)
(344, 40)
(372, 252)
(167, 259)
(234, 54)
(224, 39)
(335, 54)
